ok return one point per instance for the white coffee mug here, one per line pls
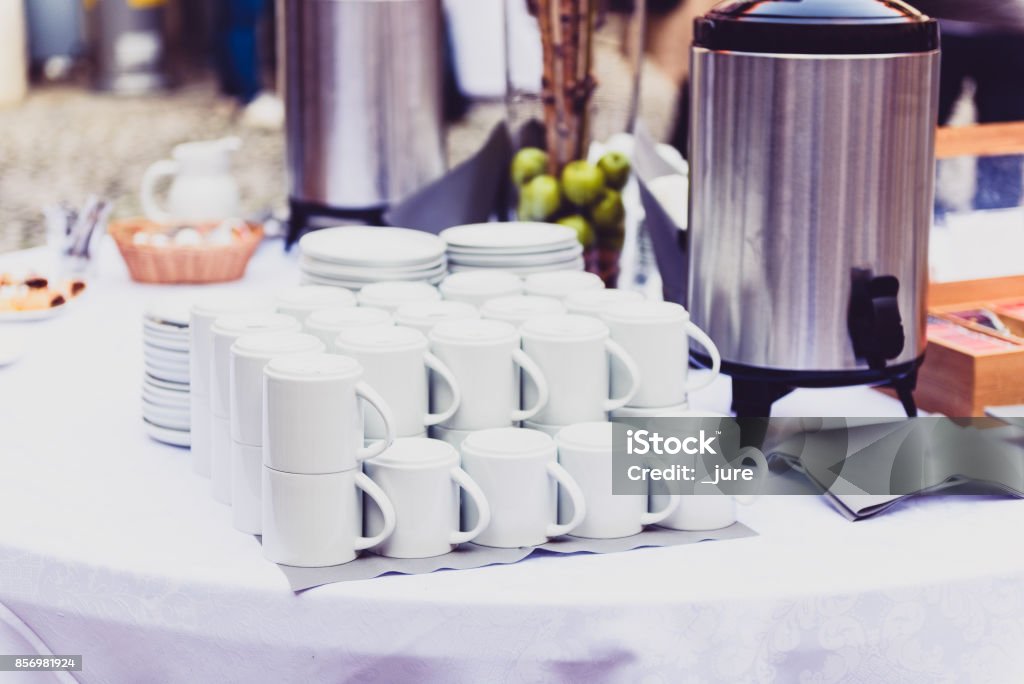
(391, 294)
(249, 356)
(707, 508)
(519, 474)
(225, 330)
(300, 301)
(559, 284)
(422, 478)
(593, 302)
(247, 488)
(397, 364)
(485, 358)
(327, 324)
(657, 336)
(477, 287)
(573, 354)
(585, 451)
(201, 319)
(425, 315)
(313, 418)
(314, 521)
(519, 309)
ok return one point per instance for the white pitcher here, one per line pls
(202, 189)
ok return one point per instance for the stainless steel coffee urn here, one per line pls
(364, 104)
(812, 179)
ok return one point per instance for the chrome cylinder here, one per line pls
(806, 170)
(364, 99)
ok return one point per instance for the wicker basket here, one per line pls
(184, 263)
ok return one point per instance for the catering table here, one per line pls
(111, 547)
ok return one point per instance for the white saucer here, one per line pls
(326, 269)
(373, 246)
(514, 260)
(166, 418)
(170, 312)
(180, 438)
(524, 237)
(168, 375)
(576, 264)
(177, 387)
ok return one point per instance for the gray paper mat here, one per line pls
(470, 556)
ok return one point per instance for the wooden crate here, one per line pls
(961, 382)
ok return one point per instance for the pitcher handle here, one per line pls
(147, 193)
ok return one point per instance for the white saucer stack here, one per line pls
(354, 256)
(518, 247)
(165, 385)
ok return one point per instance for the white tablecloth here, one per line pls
(111, 548)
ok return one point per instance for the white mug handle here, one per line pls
(147, 193)
(370, 396)
(716, 358)
(616, 352)
(531, 369)
(579, 504)
(435, 364)
(483, 509)
(757, 456)
(371, 488)
(655, 517)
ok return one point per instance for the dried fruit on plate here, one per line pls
(35, 293)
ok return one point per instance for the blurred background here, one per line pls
(92, 92)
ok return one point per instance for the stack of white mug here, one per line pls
(556, 351)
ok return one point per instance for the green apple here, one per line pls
(582, 183)
(584, 231)
(609, 212)
(616, 168)
(540, 199)
(528, 163)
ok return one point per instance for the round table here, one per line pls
(110, 547)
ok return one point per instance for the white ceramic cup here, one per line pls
(247, 488)
(573, 353)
(657, 335)
(225, 330)
(391, 294)
(485, 358)
(300, 301)
(585, 451)
(519, 474)
(314, 521)
(593, 302)
(519, 309)
(327, 324)
(477, 287)
(423, 480)
(201, 319)
(677, 411)
(397, 364)
(707, 508)
(313, 418)
(425, 315)
(559, 284)
(249, 356)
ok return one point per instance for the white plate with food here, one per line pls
(34, 297)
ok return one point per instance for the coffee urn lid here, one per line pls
(817, 27)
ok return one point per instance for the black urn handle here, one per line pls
(874, 320)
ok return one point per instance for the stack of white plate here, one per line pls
(165, 390)
(354, 256)
(518, 247)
